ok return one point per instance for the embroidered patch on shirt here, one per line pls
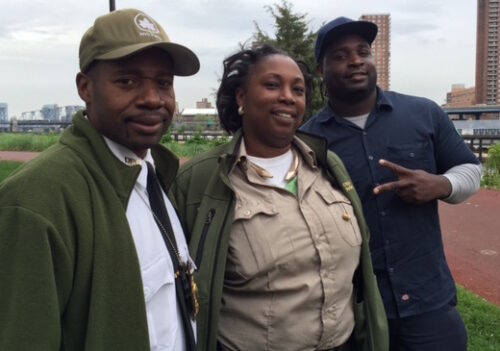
(348, 186)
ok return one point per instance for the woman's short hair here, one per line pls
(235, 75)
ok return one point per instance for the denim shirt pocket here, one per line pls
(417, 155)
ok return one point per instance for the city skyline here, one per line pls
(487, 52)
(381, 48)
(431, 47)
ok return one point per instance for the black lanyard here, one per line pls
(184, 283)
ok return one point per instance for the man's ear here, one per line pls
(84, 86)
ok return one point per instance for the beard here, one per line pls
(337, 90)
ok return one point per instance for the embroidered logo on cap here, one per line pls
(146, 26)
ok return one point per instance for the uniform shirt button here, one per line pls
(370, 158)
(146, 291)
(405, 297)
(412, 155)
(382, 213)
(247, 213)
(391, 270)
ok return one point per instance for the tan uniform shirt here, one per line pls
(291, 259)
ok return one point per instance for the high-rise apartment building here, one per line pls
(381, 48)
(4, 112)
(487, 52)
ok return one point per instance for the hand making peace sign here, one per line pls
(414, 185)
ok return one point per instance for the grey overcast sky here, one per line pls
(432, 43)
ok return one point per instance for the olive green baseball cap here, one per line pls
(125, 32)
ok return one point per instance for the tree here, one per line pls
(293, 36)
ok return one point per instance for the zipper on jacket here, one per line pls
(214, 270)
(201, 245)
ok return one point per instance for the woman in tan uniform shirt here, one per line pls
(289, 242)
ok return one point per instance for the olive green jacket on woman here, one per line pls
(205, 201)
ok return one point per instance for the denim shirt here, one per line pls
(406, 243)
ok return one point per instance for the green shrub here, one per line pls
(491, 170)
(27, 141)
(167, 137)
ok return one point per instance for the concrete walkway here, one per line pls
(21, 156)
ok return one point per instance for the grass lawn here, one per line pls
(481, 318)
(6, 167)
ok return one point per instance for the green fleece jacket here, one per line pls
(69, 273)
(205, 203)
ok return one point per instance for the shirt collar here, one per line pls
(383, 102)
(129, 158)
(305, 151)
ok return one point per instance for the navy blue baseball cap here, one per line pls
(340, 27)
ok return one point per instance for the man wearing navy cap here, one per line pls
(403, 155)
(92, 254)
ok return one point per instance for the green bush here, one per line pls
(27, 141)
(491, 170)
(167, 137)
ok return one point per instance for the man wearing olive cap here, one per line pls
(403, 155)
(92, 255)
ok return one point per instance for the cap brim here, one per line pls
(185, 62)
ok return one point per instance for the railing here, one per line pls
(479, 141)
(479, 144)
(207, 135)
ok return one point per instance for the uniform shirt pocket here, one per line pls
(254, 247)
(341, 214)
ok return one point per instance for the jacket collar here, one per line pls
(89, 145)
(229, 158)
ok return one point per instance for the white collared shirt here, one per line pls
(163, 314)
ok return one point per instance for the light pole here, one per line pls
(111, 5)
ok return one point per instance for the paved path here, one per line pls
(471, 233)
(17, 155)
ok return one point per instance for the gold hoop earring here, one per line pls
(241, 112)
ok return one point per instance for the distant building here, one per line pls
(195, 118)
(487, 52)
(31, 115)
(66, 113)
(50, 112)
(204, 103)
(381, 47)
(460, 96)
(4, 112)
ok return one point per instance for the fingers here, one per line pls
(391, 186)
(400, 171)
(395, 168)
